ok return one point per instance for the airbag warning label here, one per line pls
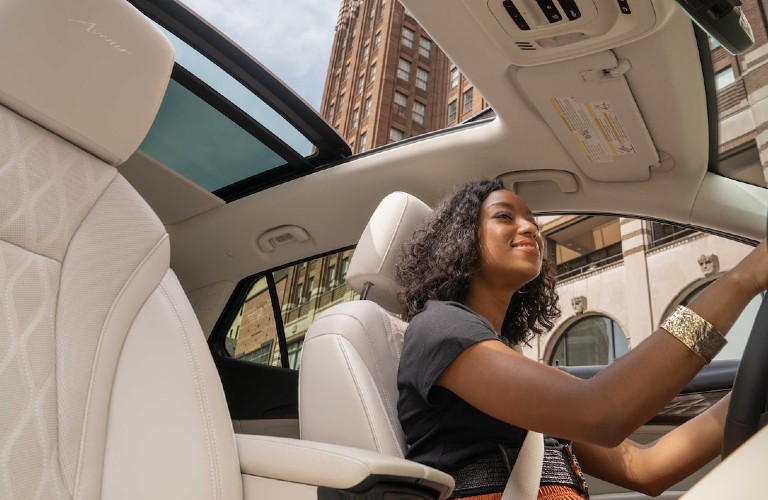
(595, 128)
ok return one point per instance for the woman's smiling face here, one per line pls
(509, 242)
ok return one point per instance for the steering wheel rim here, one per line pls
(748, 397)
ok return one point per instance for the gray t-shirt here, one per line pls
(441, 429)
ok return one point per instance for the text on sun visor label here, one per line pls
(595, 128)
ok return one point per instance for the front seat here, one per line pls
(108, 387)
(348, 376)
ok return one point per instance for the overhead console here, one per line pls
(534, 32)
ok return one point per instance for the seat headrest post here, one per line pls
(366, 288)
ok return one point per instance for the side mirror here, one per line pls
(723, 20)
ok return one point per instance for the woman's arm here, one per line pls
(608, 407)
(651, 469)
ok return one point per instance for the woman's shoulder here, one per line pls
(443, 310)
(447, 314)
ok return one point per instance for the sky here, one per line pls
(292, 38)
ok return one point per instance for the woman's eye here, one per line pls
(503, 215)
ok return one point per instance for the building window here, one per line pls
(365, 52)
(294, 354)
(662, 234)
(713, 43)
(376, 42)
(585, 245)
(467, 98)
(341, 102)
(407, 37)
(335, 85)
(330, 276)
(404, 70)
(345, 72)
(355, 118)
(422, 79)
(360, 83)
(594, 340)
(331, 112)
(363, 138)
(396, 135)
(373, 72)
(401, 102)
(310, 286)
(299, 293)
(367, 107)
(425, 47)
(260, 355)
(724, 77)
(454, 77)
(452, 111)
(419, 112)
(344, 265)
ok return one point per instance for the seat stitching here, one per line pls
(200, 392)
(385, 398)
(76, 490)
(360, 394)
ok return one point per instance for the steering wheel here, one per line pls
(747, 409)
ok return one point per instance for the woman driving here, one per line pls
(475, 285)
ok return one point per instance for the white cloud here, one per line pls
(292, 38)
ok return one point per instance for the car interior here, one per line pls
(125, 252)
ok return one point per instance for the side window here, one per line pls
(618, 278)
(299, 292)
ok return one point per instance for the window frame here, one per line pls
(422, 115)
(422, 72)
(407, 41)
(453, 111)
(218, 336)
(425, 51)
(401, 69)
(467, 100)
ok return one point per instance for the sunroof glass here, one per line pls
(221, 81)
(200, 143)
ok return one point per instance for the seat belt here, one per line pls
(524, 480)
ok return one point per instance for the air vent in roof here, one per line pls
(525, 45)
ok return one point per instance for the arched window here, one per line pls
(593, 340)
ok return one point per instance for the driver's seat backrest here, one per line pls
(108, 388)
(348, 375)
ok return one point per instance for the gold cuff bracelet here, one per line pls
(695, 332)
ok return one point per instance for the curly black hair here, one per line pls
(440, 261)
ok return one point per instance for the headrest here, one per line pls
(390, 227)
(91, 71)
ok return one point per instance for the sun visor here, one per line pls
(92, 71)
(588, 105)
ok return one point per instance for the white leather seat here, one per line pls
(108, 388)
(348, 376)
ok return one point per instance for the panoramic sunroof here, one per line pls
(203, 145)
(198, 141)
(226, 123)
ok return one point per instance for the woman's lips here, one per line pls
(527, 248)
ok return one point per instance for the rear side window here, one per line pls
(279, 306)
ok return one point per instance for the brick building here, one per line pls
(387, 80)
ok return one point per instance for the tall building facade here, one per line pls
(387, 80)
(618, 278)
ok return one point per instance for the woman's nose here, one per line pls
(527, 227)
